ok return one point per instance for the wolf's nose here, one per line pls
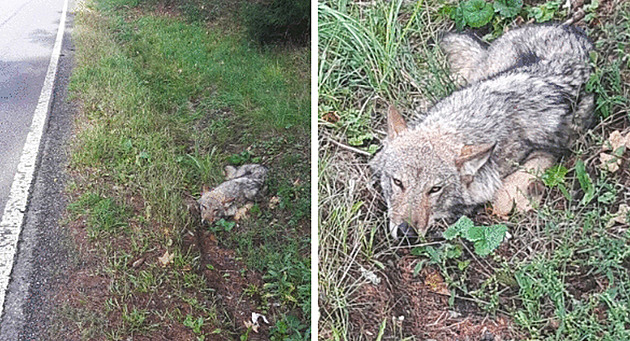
(406, 231)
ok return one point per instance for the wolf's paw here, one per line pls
(503, 203)
(520, 190)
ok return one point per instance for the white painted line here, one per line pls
(13, 216)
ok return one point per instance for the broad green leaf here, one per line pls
(585, 182)
(508, 8)
(554, 175)
(462, 265)
(495, 234)
(564, 191)
(463, 223)
(453, 251)
(419, 251)
(544, 12)
(451, 233)
(474, 233)
(359, 139)
(477, 13)
(482, 248)
(418, 267)
(458, 17)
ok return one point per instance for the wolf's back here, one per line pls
(558, 46)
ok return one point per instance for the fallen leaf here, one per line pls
(609, 162)
(621, 217)
(273, 202)
(253, 326)
(331, 117)
(615, 140)
(436, 283)
(242, 212)
(166, 259)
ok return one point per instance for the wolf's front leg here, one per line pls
(516, 187)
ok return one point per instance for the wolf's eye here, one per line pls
(435, 189)
(398, 183)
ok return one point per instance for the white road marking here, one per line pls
(13, 216)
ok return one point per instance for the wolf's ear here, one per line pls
(395, 123)
(229, 172)
(205, 189)
(472, 157)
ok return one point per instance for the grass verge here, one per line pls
(563, 274)
(166, 102)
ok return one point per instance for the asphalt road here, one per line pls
(27, 35)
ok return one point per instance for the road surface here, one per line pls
(28, 35)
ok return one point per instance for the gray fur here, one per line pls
(242, 185)
(522, 99)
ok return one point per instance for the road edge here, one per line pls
(16, 206)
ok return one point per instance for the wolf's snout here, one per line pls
(406, 231)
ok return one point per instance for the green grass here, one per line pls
(562, 275)
(166, 102)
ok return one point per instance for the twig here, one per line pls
(576, 17)
(352, 149)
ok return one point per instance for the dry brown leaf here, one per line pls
(609, 162)
(615, 140)
(273, 202)
(166, 259)
(331, 117)
(436, 283)
(253, 326)
(621, 216)
(242, 212)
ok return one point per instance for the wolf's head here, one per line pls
(212, 204)
(425, 175)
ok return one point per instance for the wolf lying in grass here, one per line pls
(522, 104)
(242, 186)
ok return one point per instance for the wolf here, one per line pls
(521, 103)
(242, 186)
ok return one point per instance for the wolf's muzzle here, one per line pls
(406, 231)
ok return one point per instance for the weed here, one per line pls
(195, 325)
(486, 238)
(290, 328)
(223, 225)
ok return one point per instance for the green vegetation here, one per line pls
(485, 238)
(278, 21)
(166, 101)
(559, 273)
